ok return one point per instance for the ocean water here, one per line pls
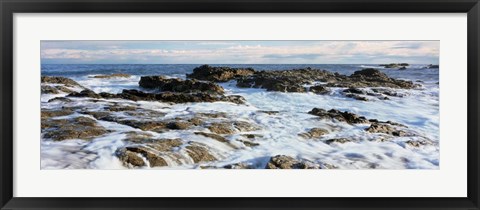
(418, 109)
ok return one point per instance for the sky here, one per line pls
(239, 52)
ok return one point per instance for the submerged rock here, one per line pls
(287, 162)
(213, 136)
(219, 74)
(178, 85)
(338, 140)
(60, 99)
(338, 115)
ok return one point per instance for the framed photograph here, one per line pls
(239, 105)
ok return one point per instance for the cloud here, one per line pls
(295, 56)
(240, 51)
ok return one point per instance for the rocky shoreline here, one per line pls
(141, 147)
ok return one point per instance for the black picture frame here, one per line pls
(9, 7)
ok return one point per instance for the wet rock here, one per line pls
(199, 152)
(178, 85)
(243, 126)
(108, 76)
(269, 112)
(85, 93)
(212, 115)
(431, 66)
(287, 162)
(239, 166)
(338, 140)
(251, 136)
(60, 99)
(213, 136)
(248, 143)
(338, 115)
(356, 97)
(179, 125)
(219, 74)
(134, 136)
(319, 89)
(402, 68)
(60, 80)
(354, 91)
(385, 128)
(117, 108)
(222, 128)
(157, 126)
(375, 78)
(49, 90)
(77, 128)
(136, 95)
(394, 65)
(314, 133)
(152, 150)
(418, 143)
(387, 92)
(46, 113)
(286, 80)
(130, 158)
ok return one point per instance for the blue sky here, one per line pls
(239, 52)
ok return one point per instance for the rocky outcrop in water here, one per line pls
(163, 83)
(173, 97)
(72, 128)
(394, 65)
(219, 74)
(286, 80)
(59, 80)
(287, 162)
(294, 80)
(334, 114)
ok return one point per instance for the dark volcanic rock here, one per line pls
(287, 162)
(338, 115)
(373, 78)
(294, 80)
(219, 74)
(178, 85)
(85, 93)
(319, 89)
(286, 80)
